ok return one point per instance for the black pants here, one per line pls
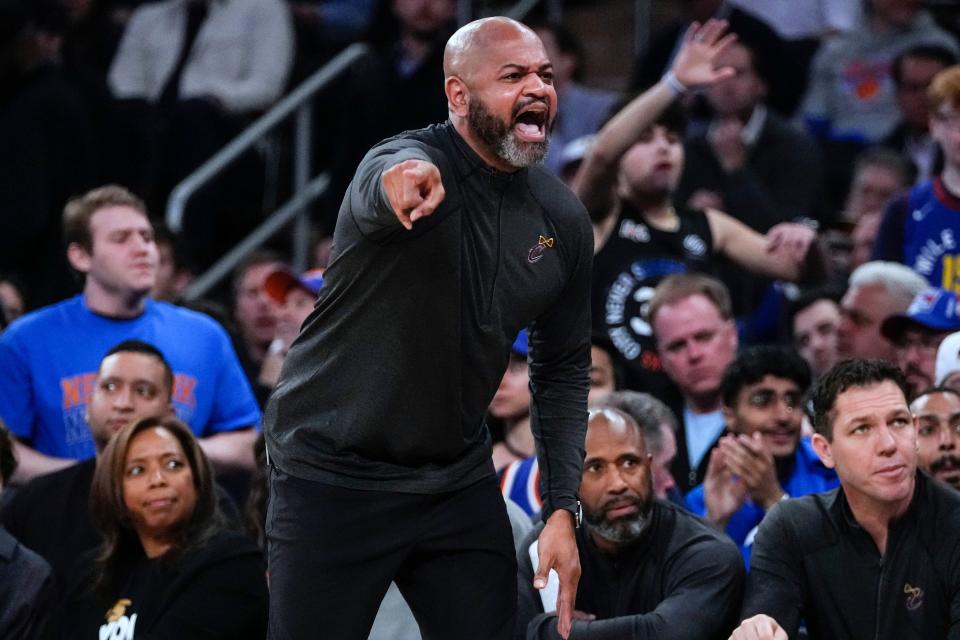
(332, 553)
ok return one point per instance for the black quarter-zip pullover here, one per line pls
(388, 383)
(812, 560)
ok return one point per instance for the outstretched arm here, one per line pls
(786, 252)
(692, 67)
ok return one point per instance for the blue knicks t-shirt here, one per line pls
(49, 360)
(931, 235)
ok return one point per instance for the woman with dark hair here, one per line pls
(167, 567)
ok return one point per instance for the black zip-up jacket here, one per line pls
(680, 580)
(388, 383)
(811, 560)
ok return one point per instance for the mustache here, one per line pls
(621, 501)
(944, 461)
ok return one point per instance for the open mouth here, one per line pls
(530, 124)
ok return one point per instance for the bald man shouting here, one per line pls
(450, 240)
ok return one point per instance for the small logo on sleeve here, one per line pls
(914, 598)
(536, 251)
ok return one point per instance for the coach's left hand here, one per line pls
(557, 550)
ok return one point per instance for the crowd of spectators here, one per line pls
(774, 300)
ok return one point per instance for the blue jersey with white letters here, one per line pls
(931, 232)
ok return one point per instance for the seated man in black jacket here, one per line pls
(878, 557)
(649, 568)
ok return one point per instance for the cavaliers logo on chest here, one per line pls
(535, 254)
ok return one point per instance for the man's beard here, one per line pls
(500, 139)
(621, 530)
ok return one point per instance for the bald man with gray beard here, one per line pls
(449, 240)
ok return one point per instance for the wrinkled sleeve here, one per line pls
(560, 378)
(369, 207)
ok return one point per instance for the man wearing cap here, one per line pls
(294, 296)
(916, 334)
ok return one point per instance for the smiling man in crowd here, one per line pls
(762, 460)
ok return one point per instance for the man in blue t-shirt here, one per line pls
(49, 358)
(762, 459)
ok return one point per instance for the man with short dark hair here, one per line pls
(49, 358)
(932, 316)
(650, 569)
(814, 318)
(937, 412)
(880, 556)
(762, 459)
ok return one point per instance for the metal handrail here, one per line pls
(306, 190)
(256, 131)
(266, 230)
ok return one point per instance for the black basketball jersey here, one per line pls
(634, 259)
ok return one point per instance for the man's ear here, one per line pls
(78, 257)
(458, 96)
(822, 446)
